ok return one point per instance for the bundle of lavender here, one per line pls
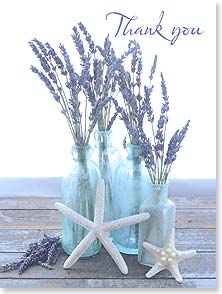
(44, 252)
(85, 97)
(138, 111)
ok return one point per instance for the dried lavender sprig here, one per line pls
(101, 84)
(9, 266)
(43, 252)
(153, 155)
(55, 62)
(175, 144)
(47, 82)
(129, 83)
(88, 38)
(78, 43)
(153, 68)
(112, 121)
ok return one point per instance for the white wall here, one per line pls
(35, 140)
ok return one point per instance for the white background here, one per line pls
(35, 140)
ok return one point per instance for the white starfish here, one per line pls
(98, 229)
(167, 257)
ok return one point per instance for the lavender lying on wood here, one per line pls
(44, 252)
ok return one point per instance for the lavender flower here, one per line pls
(139, 72)
(44, 252)
(47, 82)
(175, 144)
(112, 121)
(153, 68)
(96, 82)
(146, 107)
(88, 37)
(157, 160)
(130, 85)
(78, 43)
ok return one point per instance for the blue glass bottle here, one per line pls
(130, 189)
(78, 193)
(162, 219)
(107, 158)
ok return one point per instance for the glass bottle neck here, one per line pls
(103, 138)
(158, 193)
(80, 153)
(133, 152)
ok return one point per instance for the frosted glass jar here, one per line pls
(162, 219)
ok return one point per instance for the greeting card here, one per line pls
(114, 101)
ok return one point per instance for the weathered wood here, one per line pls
(107, 283)
(196, 218)
(18, 240)
(30, 219)
(101, 266)
(36, 202)
(51, 219)
(22, 219)
(43, 202)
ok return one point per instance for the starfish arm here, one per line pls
(186, 254)
(176, 273)
(125, 222)
(99, 205)
(114, 252)
(151, 248)
(154, 270)
(79, 250)
(74, 216)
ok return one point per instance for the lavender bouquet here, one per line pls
(158, 159)
(85, 97)
(44, 252)
(130, 86)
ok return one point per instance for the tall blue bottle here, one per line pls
(130, 189)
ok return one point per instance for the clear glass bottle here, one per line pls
(162, 218)
(78, 193)
(130, 189)
(107, 158)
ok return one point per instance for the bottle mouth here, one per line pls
(159, 192)
(102, 138)
(102, 132)
(160, 186)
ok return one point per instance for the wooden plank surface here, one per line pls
(198, 239)
(109, 283)
(51, 219)
(101, 266)
(23, 219)
(43, 202)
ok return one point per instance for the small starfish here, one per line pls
(98, 229)
(167, 257)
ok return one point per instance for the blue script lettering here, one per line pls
(125, 27)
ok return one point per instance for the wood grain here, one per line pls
(43, 202)
(107, 283)
(101, 266)
(51, 219)
(23, 219)
(18, 240)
